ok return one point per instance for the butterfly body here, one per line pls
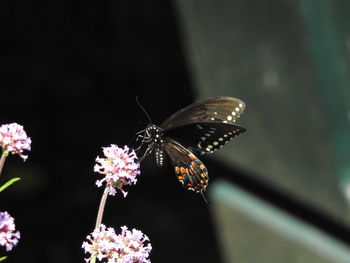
(199, 128)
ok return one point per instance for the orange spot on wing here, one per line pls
(192, 156)
(177, 169)
(180, 177)
(202, 166)
(203, 175)
(183, 170)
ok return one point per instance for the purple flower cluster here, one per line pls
(127, 247)
(119, 167)
(14, 139)
(8, 236)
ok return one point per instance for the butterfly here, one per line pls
(200, 128)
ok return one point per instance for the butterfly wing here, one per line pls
(207, 125)
(190, 171)
(204, 137)
(213, 110)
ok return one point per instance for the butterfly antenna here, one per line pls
(137, 100)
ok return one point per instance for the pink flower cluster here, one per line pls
(14, 139)
(8, 236)
(119, 167)
(127, 247)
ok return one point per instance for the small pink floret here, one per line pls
(8, 236)
(14, 139)
(119, 166)
(127, 247)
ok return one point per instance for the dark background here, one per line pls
(71, 72)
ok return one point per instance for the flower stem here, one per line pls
(2, 159)
(100, 215)
(101, 208)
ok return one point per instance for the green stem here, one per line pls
(2, 159)
(7, 184)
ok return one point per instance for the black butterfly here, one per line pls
(201, 127)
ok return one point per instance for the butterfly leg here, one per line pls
(141, 135)
(138, 140)
(135, 139)
(147, 152)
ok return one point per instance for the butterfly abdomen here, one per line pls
(159, 156)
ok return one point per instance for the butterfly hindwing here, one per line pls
(204, 137)
(190, 171)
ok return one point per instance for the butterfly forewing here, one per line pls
(220, 109)
(190, 171)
